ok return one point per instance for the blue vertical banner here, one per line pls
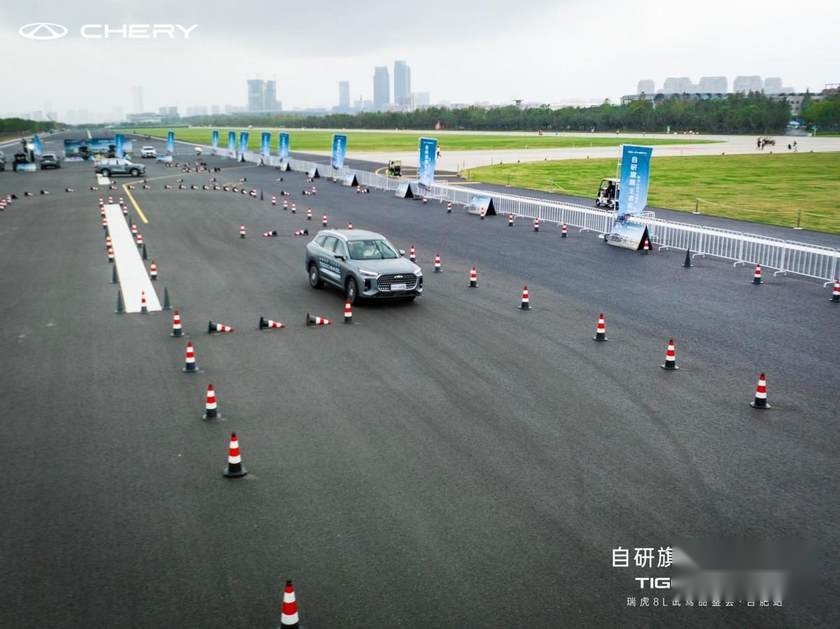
(170, 142)
(232, 141)
(339, 150)
(635, 178)
(265, 144)
(119, 145)
(37, 147)
(283, 145)
(427, 161)
(243, 141)
(215, 139)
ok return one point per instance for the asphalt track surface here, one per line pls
(454, 462)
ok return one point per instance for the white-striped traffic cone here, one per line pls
(234, 468)
(220, 328)
(308, 214)
(289, 611)
(449, 207)
(110, 254)
(437, 263)
(348, 312)
(139, 240)
(757, 275)
(177, 330)
(324, 220)
(536, 224)
(835, 293)
(350, 226)
(525, 303)
(108, 241)
(412, 253)
(189, 359)
(760, 401)
(646, 247)
(105, 223)
(153, 271)
(473, 277)
(294, 208)
(242, 231)
(564, 230)
(670, 356)
(143, 306)
(134, 230)
(601, 328)
(211, 407)
(316, 321)
(510, 220)
(285, 204)
(268, 324)
(273, 199)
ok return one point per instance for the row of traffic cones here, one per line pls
(214, 327)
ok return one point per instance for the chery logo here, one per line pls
(43, 30)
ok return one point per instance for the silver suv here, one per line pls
(362, 264)
(119, 166)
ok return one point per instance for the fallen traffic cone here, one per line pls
(176, 324)
(510, 220)
(601, 329)
(289, 611)
(757, 275)
(437, 263)
(525, 303)
(760, 400)
(242, 231)
(218, 327)
(412, 253)
(153, 271)
(564, 230)
(536, 224)
(189, 359)
(143, 307)
(687, 262)
(211, 407)
(348, 312)
(270, 234)
(670, 356)
(268, 324)
(314, 321)
(234, 468)
(835, 293)
(302, 232)
(473, 278)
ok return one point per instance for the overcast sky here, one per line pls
(492, 50)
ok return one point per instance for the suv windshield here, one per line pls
(371, 250)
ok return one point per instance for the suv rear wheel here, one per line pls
(315, 280)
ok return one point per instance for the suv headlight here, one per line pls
(418, 272)
(365, 273)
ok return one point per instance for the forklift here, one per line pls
(607, 196)
(394, 168)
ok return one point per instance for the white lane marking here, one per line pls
(134, 278)
(102, 180)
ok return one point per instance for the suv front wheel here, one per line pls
(105, 172)
(351, 290)
(134, 172)
(315, 276)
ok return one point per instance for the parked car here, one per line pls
(19, 159)
(119, 166)
(49, 160)
(362, 264)
(148, 151)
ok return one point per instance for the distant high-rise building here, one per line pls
(646, 86)
(712, 84)
(745, 84)
(270, 103)
(256, 91)
(402, 84)
(197, 110)
(168, 112)
(344, 96)
(677, 85)
(773, 85)
(137, 99)
(381, 88)
(215, 109)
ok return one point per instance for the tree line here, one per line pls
(24, 126)
(737, 113)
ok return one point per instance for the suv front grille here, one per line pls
(383, 282)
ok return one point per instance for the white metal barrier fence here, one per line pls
(782, 256)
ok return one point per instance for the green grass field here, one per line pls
(766, 188)
(306, 140)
